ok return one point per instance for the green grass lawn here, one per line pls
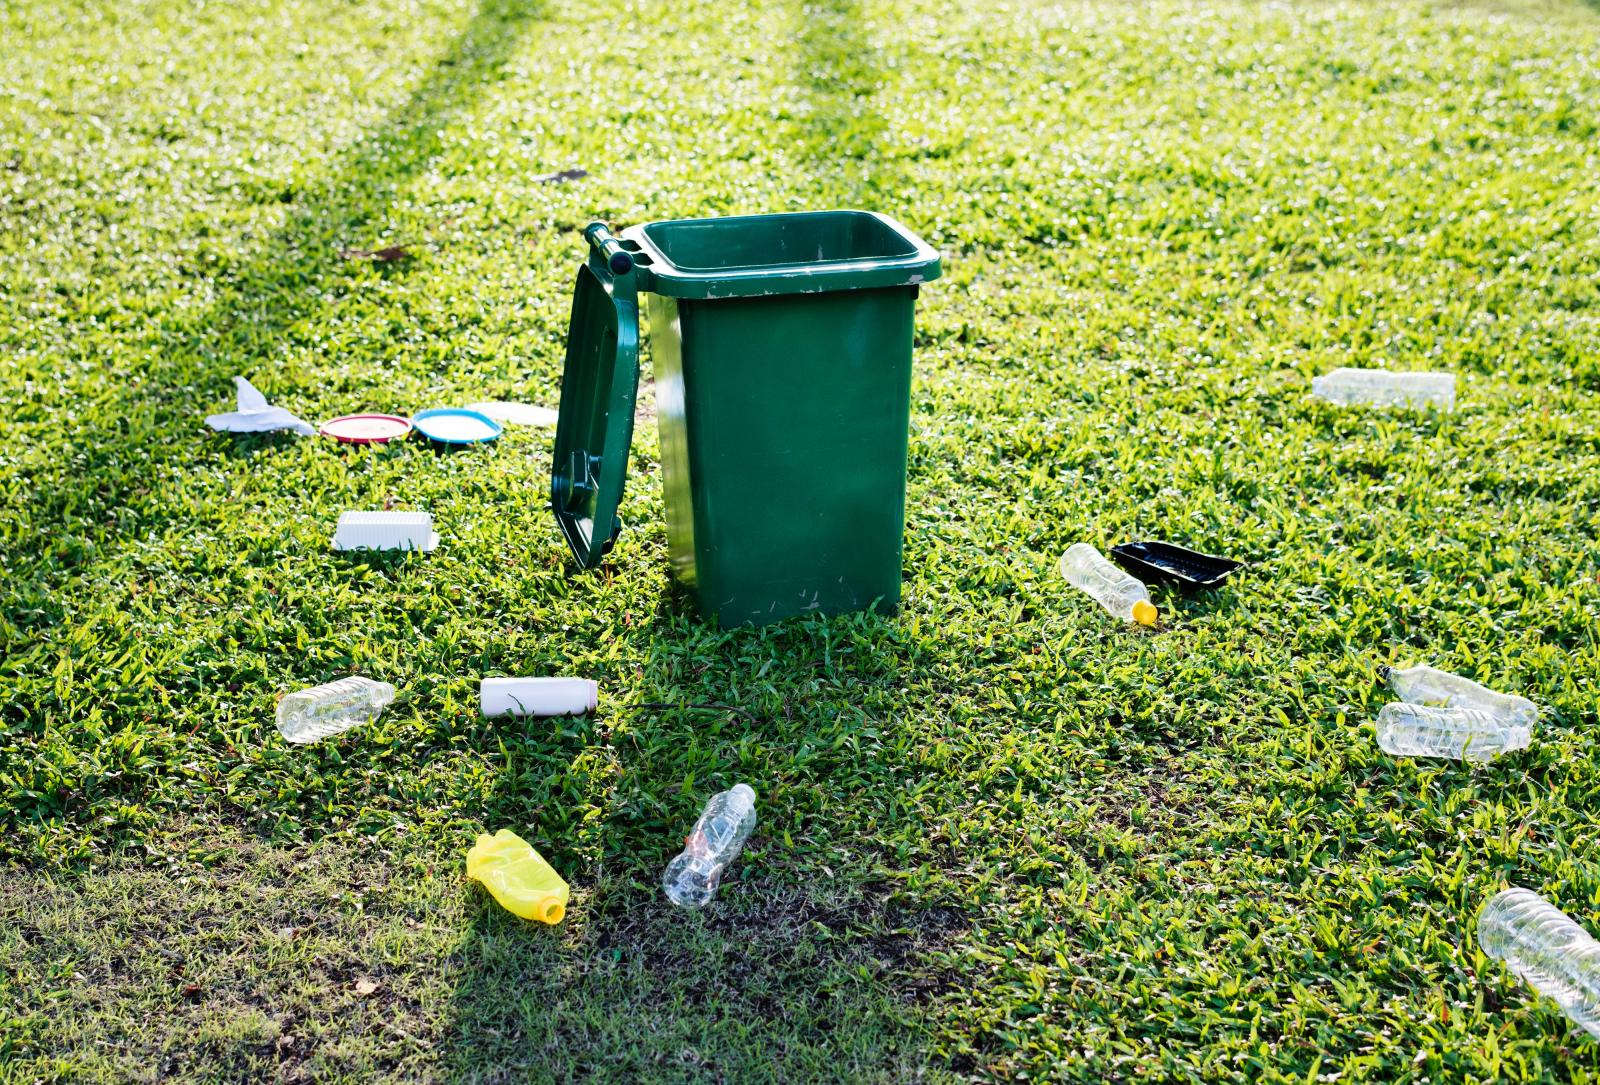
(1002, 836)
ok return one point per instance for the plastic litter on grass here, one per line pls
(518, 877)
(365, 429)
(537, 696)
(321, 711)
(385, 531)
(1547, 949)
(1166, 563)
(1385, 388)
(692, 878)
(1464, 734)
(456, 426)
(1119, 594)
(255, 415)
(1444, 715)
(516, 414)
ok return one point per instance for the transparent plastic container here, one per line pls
(1545, 948)
(1385, 388)
(1466, 734)
(692, 878)
(1431, 686)
(518, 877)
(324, 710)
(1121, 595)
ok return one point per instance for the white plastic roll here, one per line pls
(538, 696)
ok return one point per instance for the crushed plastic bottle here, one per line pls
(1549, 951)
(1386, 388)
(1466, 734)
(327, 709)
(1121, 595)
(692, 878)
(518, 877)
(1431, 686)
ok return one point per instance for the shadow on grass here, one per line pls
(784, 978)
(281, 284)
(137, 433)
(764, 985)
(781, 978)
(166, 978)
(775, 982)
(843, 139)
(259, 304)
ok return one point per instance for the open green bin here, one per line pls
(782, 350)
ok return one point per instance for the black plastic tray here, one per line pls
(1164, 563)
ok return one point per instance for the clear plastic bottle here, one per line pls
(327, 709)
(692, 878)
(1544, 947)
(1431, 686)
(1121, 595)
(1466, 734)
(1386, 388)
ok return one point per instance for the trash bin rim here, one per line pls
(659, 274)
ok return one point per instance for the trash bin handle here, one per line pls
(579, 481)
(617, 258)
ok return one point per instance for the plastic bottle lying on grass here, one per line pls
(518, 877)
(1385, 388)
(327, 709)
(1544, 947)
(1467, 734)
(692, 878)
(1431, 686)
(537, 696)
(1120, 594)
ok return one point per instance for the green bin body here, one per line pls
(782, 352)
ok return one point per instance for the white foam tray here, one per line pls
(385, 531)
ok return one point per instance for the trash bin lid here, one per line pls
(598, 387)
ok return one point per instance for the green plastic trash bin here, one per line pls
(782, 350)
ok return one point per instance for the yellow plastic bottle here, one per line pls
(518, 877)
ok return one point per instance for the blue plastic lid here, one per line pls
(456, 426)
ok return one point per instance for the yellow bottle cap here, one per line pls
(1144, 613)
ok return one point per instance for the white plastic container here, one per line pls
(385, 531)
(537, 696)
(1386, 388)
(516, 414)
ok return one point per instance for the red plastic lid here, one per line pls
(366, 429)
